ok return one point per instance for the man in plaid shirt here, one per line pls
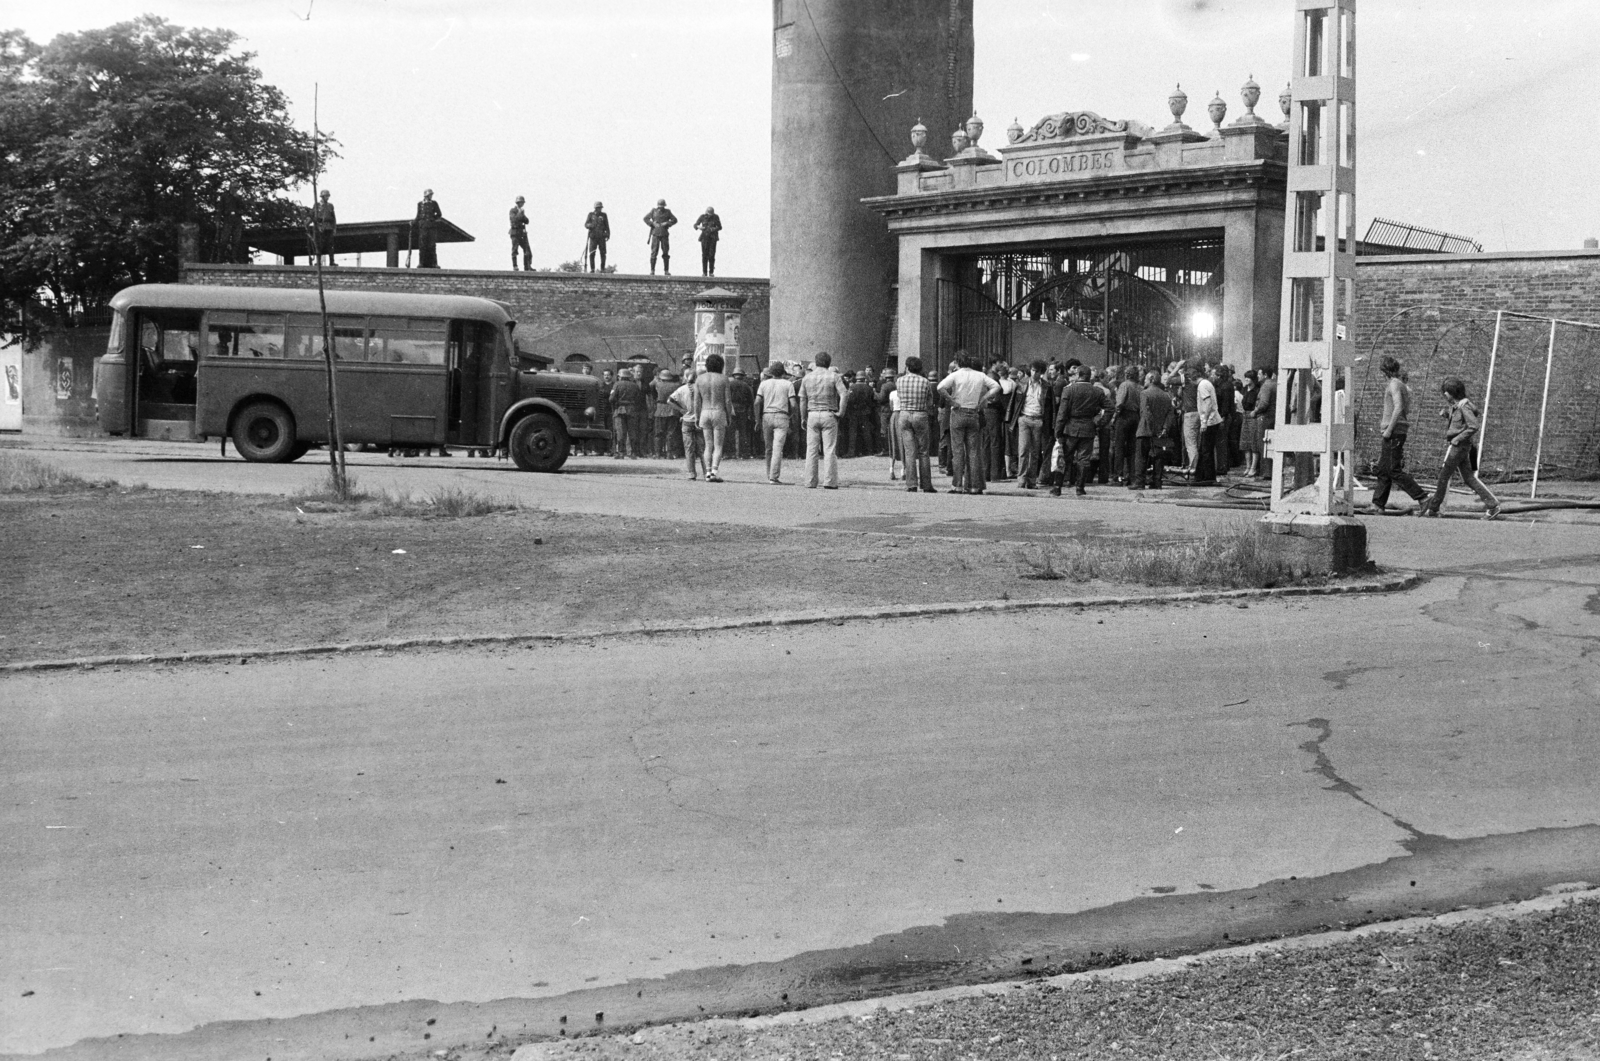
(916, 409)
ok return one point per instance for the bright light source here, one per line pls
(1203, 324)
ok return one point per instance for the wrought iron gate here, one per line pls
(1140, 303)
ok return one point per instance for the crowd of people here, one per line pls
(1048, 425)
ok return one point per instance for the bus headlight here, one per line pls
(589, 412)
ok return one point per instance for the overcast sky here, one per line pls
(1472, 113)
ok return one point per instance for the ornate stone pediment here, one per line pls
(1070, 124)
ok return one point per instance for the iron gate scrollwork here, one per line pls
(1147, 304)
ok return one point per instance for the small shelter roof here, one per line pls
(359, 237)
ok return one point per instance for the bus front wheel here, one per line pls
(264, 432)
(539, 443)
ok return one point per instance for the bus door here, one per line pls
(393, 383)
(471, 358)
(165, 362)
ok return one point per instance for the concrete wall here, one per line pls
(557, 313)
(849, 80)
(1436, 314)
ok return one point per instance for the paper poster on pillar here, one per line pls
(708, 336)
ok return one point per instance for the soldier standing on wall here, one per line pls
(423, 230)
(519, 237)
(709, 225)
(599, 227)
(660, 221)
(324, 224)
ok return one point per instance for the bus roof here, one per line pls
(304, 300)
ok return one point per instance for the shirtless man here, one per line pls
(711, 412)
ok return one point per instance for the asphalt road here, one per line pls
(197, 844)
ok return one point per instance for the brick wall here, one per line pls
(557, 313)
(1436, 314)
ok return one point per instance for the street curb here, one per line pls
(1554, 898)
(1381, 584)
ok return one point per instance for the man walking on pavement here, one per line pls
(1393, 427)
(822, 400)
(599, 228)
(1079, 415)
(660, 222)
(519, 237)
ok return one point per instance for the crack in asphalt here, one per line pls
(1337, 783)
(662, 773)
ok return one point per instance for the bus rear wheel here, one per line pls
(539, 443)
(264, 432)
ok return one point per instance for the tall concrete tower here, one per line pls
(849, 80)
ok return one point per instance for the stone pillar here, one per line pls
(392, 255)
(1252, 257)
(848, 78)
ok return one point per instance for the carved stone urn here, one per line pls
(1251, 94)
(1218, 109)
(1177, 103)
(1285, 101)
(958, 141)
(919, 137)
(974, 129)
(1014, 133)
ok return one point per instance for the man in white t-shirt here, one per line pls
(774, 401)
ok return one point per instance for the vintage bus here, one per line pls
(414, 370)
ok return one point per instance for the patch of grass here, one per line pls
(449, 501)
(1229, 559)
(20, 473)
(446, 501)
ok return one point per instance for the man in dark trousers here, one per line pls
(599, 227)
(660, 222)
(861, 417)
(324, 224)
(519, 237)
(424, 232)
(1152, 434)
(667, 439)
(742, 415)
(1394, 426)
(1079, 416)
(627, 407)
(710, 226)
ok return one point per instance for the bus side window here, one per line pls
(411, 342)
(349, 340)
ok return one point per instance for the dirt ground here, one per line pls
(108, 571)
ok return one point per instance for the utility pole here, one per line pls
(1316, 340)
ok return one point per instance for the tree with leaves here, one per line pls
(113, 140)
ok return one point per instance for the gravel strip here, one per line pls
(1481, 986)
